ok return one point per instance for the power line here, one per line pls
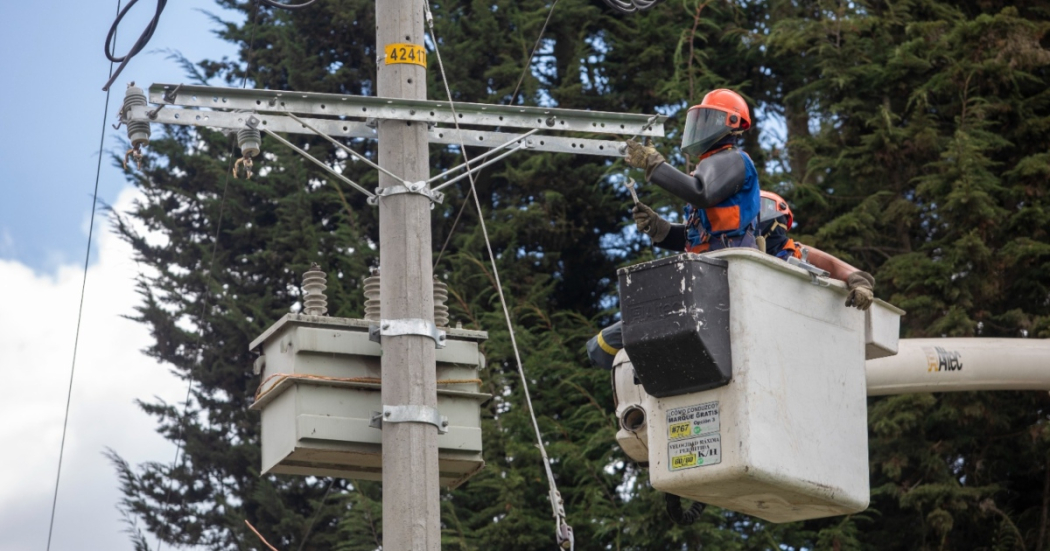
(144, 38)
(562, 529)
(274, 4)
(80, 309)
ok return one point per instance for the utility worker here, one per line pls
(775, 220)
(722, 193)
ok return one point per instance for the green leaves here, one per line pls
(910, 138)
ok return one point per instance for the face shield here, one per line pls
(768, 209)
(704, 127)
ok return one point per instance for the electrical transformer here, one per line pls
(742, 383)
(320, 399)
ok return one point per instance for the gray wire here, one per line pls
(528, 64)
(211, 268)
(273, 4)
(556, 507)
(80, 309)
(317, 514)
(513, 98)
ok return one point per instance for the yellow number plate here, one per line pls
(683, 462)
(406, 53)
(681, 430)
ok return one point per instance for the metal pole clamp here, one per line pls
(418, 188)
(409, 414)
(408, 326)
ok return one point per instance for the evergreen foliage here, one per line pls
(916, 140)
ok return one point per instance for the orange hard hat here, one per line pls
(722, 112)
(774, 205)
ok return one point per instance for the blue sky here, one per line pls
(51, 109)
(52, 104)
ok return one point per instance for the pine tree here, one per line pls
(915, 149)
(924, 162)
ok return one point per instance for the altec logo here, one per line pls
(939, 359)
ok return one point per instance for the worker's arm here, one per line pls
(716, 178)
(861, 284)
(837, 268)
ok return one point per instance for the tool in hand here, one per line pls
(630, 187)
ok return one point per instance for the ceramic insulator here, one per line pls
(372, 298)
(138, 131)
(372, 312)
(250, 141)
(440, 308)
(315, 303)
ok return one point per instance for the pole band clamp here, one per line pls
(417, 188)
(407, 326)
(409, 414)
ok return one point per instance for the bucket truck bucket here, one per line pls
(742, 380)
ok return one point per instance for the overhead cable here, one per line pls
(630, 6)
(274, 4)
(111, 40)
(204, 299)
(563, 531)
(513, 100)
(80, 309)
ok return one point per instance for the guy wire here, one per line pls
(559, 513)
(80, 309)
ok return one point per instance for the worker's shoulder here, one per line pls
(728, 158)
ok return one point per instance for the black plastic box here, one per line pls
(676, 323)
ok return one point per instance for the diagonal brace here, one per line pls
(484, 155)
(520, 146)
(317, 162)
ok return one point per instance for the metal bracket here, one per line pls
(817, 275)
(418, 188)
(566, 540)
(409, 414)
(407, 326)
(171, 95)
(153, 114)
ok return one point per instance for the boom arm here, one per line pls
(951, 365)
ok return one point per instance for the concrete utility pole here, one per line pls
(411, 493)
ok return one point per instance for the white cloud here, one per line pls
(38, 315)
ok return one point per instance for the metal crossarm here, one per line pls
(228, 120)
(434, 112)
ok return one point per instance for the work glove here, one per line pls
(643, 156)
(861, 287)
(650, 223)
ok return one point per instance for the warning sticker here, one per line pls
(692, 421)
(694, 452)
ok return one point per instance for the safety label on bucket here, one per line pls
(694, 452)
(692, 421)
